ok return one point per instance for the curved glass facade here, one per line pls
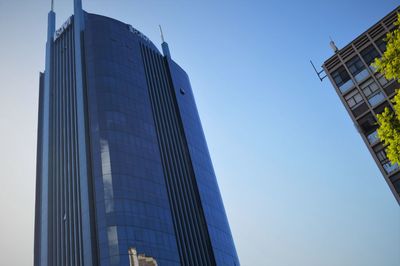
(218, 227)
(132, 206)
(153, 194)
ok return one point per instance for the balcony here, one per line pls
(376, 99)
(361, 76)
(346, 86)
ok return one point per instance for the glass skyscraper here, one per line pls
(124, 176)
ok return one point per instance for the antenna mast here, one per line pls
(52, 5)
(333, 45)
(319, 73)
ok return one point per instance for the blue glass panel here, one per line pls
(376, 99)
(346, 86)
(362, 75)
(373, 137)
(132, 205)
(390, 168)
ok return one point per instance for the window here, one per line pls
(367, 123)
(372, 92)
(376, 99)
(112, 240)
(354, 99)
(369, 87)
(357, 69)
(387, 165)
(390, 168)
(373, 137)
(381, 45)
(396, 185)
(342, 79)
(382, 80)
(369, 54)
(382, 156)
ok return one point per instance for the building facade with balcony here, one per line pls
(366, 93)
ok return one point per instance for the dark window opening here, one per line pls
(369, 54)
(357, 69)
(342, 79)
(355, 65)
(381, 43)
(368, 123)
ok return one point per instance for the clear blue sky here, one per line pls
(299, 186)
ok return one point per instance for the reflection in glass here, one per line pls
(362, 75)
(390, 168)
(113, 244)
(373, 137)
(346, 86)
(376, 99)
(141, 259)
(107, 177)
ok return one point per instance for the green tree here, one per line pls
(389, 121)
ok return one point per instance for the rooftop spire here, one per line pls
(164, 45)
(162, 35)
(77, 6)
(78, 13)
(52, 5)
